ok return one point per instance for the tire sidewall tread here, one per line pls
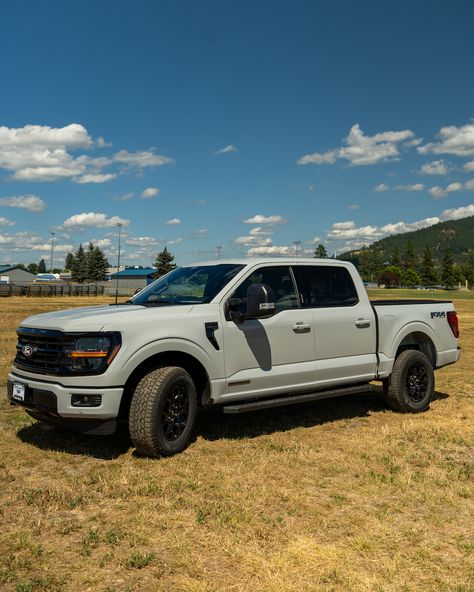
(396, 394)
(147, 405)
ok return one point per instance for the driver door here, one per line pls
(273, 355)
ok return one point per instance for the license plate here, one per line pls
(18, 391)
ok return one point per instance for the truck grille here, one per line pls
(49, 351)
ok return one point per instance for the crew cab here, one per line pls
(239, 334)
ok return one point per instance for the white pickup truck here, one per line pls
(239, 334)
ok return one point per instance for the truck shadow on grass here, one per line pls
(61, 440)
(213, 425)
(354, 410)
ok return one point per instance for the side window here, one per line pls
(324, 285)
(280, 281)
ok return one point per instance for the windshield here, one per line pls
(188, 285)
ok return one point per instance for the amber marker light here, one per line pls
(88, 354)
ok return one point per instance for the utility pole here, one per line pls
(119, 225)
(219, 250)
(52, 251)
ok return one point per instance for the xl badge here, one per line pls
(27, 351)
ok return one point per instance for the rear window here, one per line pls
(322, 286)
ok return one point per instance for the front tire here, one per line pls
(410, 388)
(163, 412)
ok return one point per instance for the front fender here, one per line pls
(169, 345)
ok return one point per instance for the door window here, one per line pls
(324, 285)
(280, 281)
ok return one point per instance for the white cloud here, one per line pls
(353, 207)
(6, 222)
(381, 187)
(142, 241)
(226, 149)
(73, 136)
(453, 140)
(328, 157)
(150, 192)
(102, 243)
(124, 197)
(457, 213)
(469, 166)
(173, 221)
(262, 230)
(40, 153)
(248, 241)
(43, 153)
(362, 150)
(260, 219)
(95, 178)
(93, 220)
(271, 250)
(311, 187)
(437, 167)
(26, 202)
(349, 230)
(469, 185)
(356, 237)
(438, 192)
(143, 159)
(58, 248)
(414, 187)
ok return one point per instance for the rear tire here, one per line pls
(410, 388)
(163, 412)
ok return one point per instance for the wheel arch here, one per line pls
(168, 358)
(417, 340)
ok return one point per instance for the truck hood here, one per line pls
(94, 318)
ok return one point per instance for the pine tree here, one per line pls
(42, 266)
(396, 261)
(447, 272)
(371, 265)
(163, 263)
(429, 273)
(410, 278)
(409, 257)
(97, 265)
(79, 265)
(69, 262)
(321, 252)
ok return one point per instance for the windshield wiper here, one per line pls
(158, 302)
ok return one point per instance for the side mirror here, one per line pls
(260, 301)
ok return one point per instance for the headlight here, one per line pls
(94, 353)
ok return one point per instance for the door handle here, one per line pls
(301, 328)
(362, 323)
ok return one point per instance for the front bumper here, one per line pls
(54, 399)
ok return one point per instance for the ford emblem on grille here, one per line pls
(27, 351)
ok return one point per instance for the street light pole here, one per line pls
(119, 224)
(52, 251)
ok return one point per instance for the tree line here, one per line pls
(91, 264)
(410, 268)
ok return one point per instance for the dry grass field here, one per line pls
(338, 495)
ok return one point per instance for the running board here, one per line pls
(292, 399)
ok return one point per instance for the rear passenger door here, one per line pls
(344, 325)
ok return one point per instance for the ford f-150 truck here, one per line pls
(239, 334)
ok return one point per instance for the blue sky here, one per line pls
(248, 125)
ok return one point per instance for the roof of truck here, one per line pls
(273, 260)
